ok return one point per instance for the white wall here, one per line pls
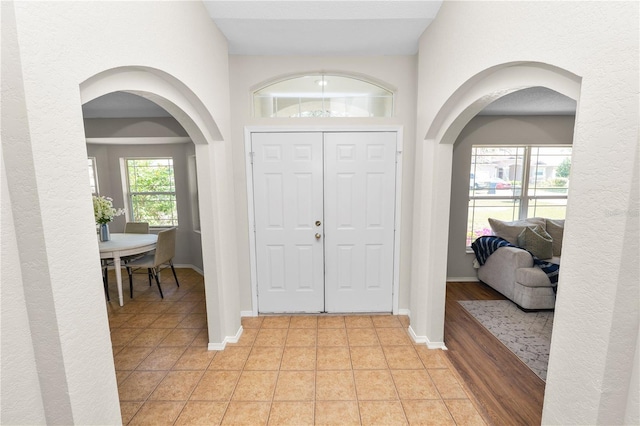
(491, 130)
(48, 51)
(248, 73)
(166, 127)
(595, 330)
(16, 347)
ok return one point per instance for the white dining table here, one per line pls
(121, 245)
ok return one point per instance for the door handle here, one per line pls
(318, 236)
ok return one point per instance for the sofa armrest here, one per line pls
(499, 271)
(513, 256)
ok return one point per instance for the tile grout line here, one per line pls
(186, 402)
(353, 374)
(406, 418)
(275, 386)
(381, 324)
(156, 346)
(315, 375)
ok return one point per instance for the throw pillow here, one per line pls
(555, 228)
(510, 230)
(537, 241)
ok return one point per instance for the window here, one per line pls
(152, 191)
(193, 191)
(323, 95)
(516, 182)
(93, 176)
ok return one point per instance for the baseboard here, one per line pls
(426, 341)
(181, 265)
(406, 312)
(228, 339)
(463, 279)
(246, 314)
(189, 266)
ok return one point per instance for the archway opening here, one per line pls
(193, 126)
(450, 121)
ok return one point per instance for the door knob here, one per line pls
(318, 236)
(318, 223)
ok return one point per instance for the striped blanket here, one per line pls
(483, 247)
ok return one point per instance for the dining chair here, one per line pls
(136, 228)
(163, 256)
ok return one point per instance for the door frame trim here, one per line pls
(248, 130)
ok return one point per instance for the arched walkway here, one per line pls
(185, 106)
(433, 185)
(491, 84)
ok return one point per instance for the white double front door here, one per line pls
(324, 220)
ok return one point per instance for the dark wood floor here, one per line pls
(507, 391)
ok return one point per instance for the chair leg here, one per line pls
(105, 281)
(174, 273)
(150, 275)
(130, 272)
(155, 274)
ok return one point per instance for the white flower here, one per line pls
(103, 210)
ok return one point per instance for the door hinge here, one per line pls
(251, 154)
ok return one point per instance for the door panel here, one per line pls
(287, 173)
(344, 179)
(359, 206)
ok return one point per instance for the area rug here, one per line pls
(526, 334)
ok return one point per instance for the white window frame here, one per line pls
(324, 97)
(524, 198)
(193, 192)
(129, 195)
(93, 171)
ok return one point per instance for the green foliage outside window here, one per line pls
(152, 191)
(564, 168)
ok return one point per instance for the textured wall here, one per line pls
(54, 49)
(595, 330)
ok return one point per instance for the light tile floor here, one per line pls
(295, 370)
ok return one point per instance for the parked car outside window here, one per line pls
(491, 183)
(497, 183)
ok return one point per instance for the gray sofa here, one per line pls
(511, 271)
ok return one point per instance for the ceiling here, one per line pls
(327, 27)
(303, 27)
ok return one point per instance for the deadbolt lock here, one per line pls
(318, 223)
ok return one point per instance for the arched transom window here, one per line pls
(323, 95)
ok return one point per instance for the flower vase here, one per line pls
(104, 232)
